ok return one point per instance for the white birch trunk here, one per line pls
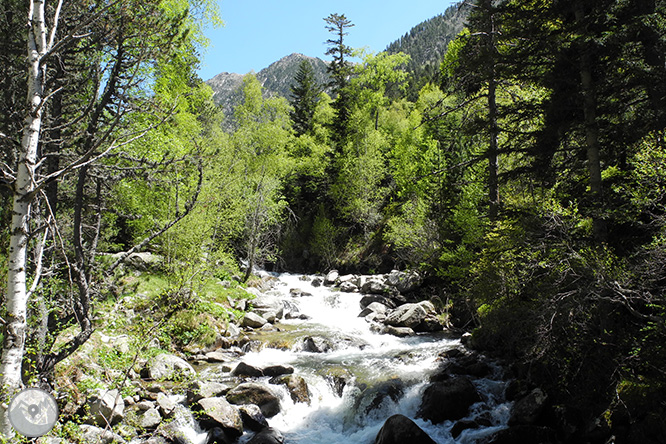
(13, 346)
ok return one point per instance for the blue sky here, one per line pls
(260, 32)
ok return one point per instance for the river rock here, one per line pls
(267, 436)
(374, 307)
(166, 404)
(528, 409)
(150, 419)
(258, 394)
(166, 367)
(218, 412)
(374, 397)
(410, 315)
(105, 407)
(404, 281)
(97, 435)
(217, 435)
(400, 332)
(270, 308)
(348, 287)
(448, 400)
(331, 277)
(371, 298)
(253, 320)
(399, 429)
(298, 388)
(375, 286)
(205, 389)
(253, 419)
(243, 369)
(277, 370)
(317, 281)
(315, 344)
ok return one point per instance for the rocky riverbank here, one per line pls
(219, 395)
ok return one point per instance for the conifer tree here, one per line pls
(340, 70)
(304, 98)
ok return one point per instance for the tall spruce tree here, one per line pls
(304, 98)
(340, 70)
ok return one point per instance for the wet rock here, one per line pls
(277, 370)
(298, 388)
(217, 357)
(258, 394)
(105, 407)
(404, 281)
(150, 419)
(448, 400)
(348, 287)
(253, 320)
(401, 332)
(218, 412)
(252, 417)
(331, 277)
(338, 378)
(243, 369)
(317, 281)
(399, 429)
(314, 344)
(218, 436)
(298, 293)
(270, 308)
(373, 397)
(528, 409)
(166, 367)
(267, 436)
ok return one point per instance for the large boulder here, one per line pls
(267, 436)
(528, 409)
(407, 315)
(257, 394)
(166, 367)
(218, 412)
(106, 407)
(243, 369)
(399, 429)
(253, 419)
(331, 278)
(375, 286)
(448, 400)
(404, 281)
(150, 419)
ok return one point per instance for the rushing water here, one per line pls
(368, 359)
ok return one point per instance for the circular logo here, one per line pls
(33, 412)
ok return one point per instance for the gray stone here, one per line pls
(348, 287)
(258, 394)
(150, 419)
(105, 407)
(253, 419)
(298, 388)
(219, 412)
(165, 404)
(404, 281)
(528, 409)
(375, 286)
(243, 369)
(331, 277)
(448, 400)
(97, 435)
(270, 308)
(166, 367)
(267, 436)
(253, 320)
(401, 332)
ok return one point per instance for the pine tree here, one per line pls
(340, 70)
(304, 98)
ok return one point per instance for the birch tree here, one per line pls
(81, 118)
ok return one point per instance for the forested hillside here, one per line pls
(526, 181)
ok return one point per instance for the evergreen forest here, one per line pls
(523, 174)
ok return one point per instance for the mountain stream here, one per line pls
(359, 377)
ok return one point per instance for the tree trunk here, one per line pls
(13, 346)
(591, 136)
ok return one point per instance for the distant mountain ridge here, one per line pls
(276, 80)
(426, 43)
